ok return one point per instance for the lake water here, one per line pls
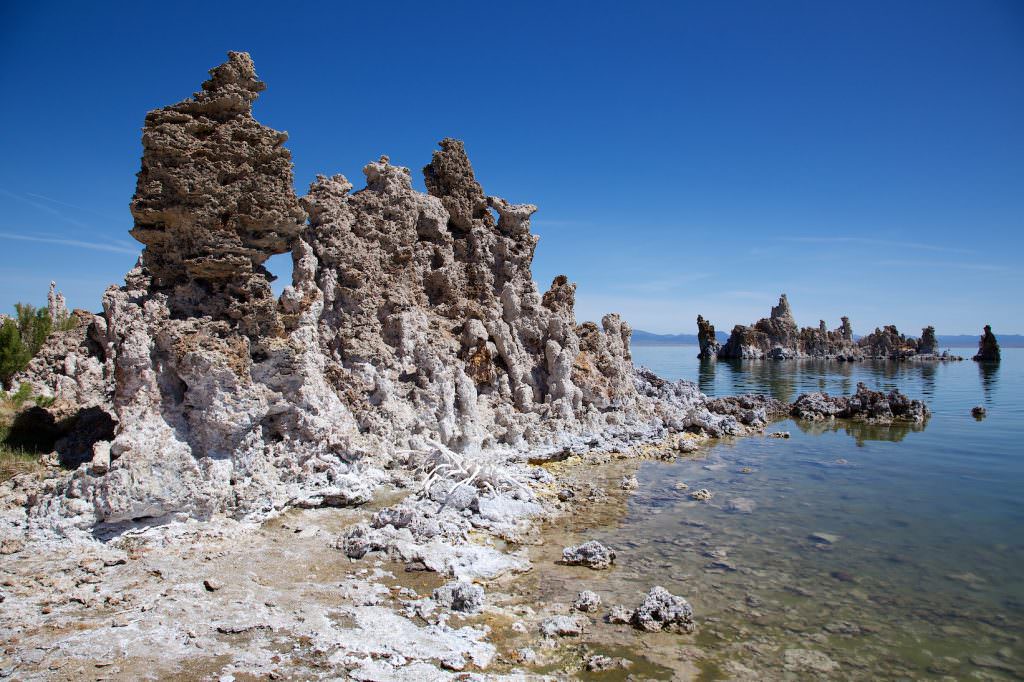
(845, 551)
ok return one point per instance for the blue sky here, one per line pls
(866, 158)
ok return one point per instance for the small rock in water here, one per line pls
(587, 601)
(686, 445)
(779, 434)
(702, 495)
(598, 663)
(629, 483)
(591, 554)
(979, 412)
(460, 596)
(618, 615)
(843, 576)
(824, 538)
(563, 626)
(681, 486)
(663, 610)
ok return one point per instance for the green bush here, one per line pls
(14, 353)
(22, 337)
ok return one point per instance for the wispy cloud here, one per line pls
(29, 199)
(75, 243)
(957, 265)
(868, 241)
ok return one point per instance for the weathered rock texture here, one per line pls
(412, 332)
(214, 200)
(777, 337)
(709, 346)
(988, 347)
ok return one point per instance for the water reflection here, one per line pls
(861, 432)
(706, 376)
(989, 372)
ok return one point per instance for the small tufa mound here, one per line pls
(662, 610)
(587, 601)
(979, 412)
(460, 596)
(591, 554)
(564, 626)
(702, 495)
(874, 407)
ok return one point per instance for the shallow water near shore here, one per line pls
(843, 551)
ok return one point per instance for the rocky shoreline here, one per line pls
(338, 481)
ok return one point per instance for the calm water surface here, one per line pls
(846, 552)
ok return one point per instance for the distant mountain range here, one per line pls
(642, 338)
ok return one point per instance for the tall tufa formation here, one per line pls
(778, 337)
(412, 325)
(706, 339)
(57, 306)
(988, 347)
(928, 344)
(214, 200)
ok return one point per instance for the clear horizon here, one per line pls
(866, 159)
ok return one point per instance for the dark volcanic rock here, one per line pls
(865, 405)
(988, 347)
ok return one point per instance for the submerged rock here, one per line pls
(979, 412)
(988, 347)
(591, 554)
(702, 495)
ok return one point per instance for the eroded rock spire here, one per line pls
(214, 200)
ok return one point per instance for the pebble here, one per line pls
(212, 584)
(702, 495)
